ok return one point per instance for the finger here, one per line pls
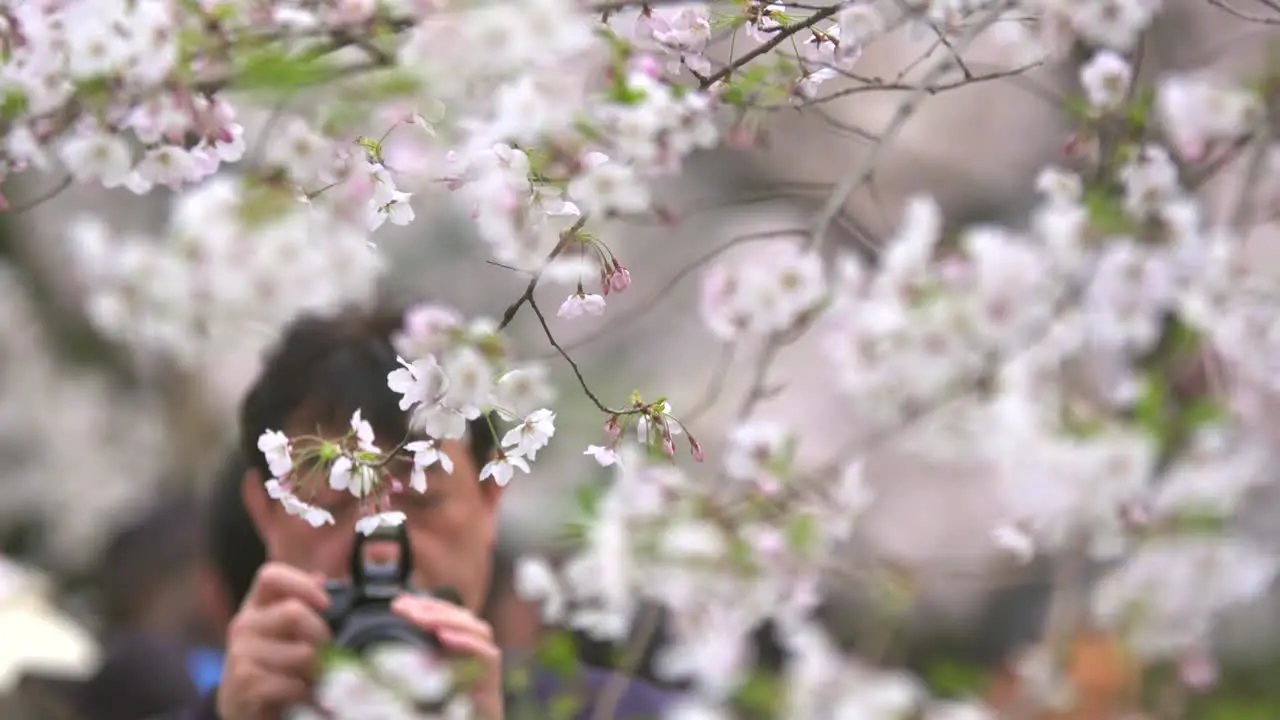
(435, 615)
(279, 691)
(276, 581)
(287, 620)
(472, 646)
(246, 683)
(298, 660)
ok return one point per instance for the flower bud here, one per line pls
(648, 65)
(620, 278)
(1197, 670)
(695, 449)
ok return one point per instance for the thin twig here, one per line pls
(688, 269)
(546, 329)
(42, 198)
(778, 38)
(863, 170)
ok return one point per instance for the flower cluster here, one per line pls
(769, 293)
(67, 462)
(456, 373)
(237, 262)
(720, 557)
(391, 681)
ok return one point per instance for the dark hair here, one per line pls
(324, 369)
(234, 547)
(145, 555)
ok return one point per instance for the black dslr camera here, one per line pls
(359, 613)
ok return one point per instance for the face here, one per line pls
(451, 527)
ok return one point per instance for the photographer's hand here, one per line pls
(461, 632)
(273, 645)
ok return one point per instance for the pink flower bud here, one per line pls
(741, 138)
(1198, 670)
(620, 279)
(648, 65)
(695, 449)
(1194, 151)
(668, 446)
(1135, 515)
(355, 11)
(611, 427)
(1074, 146)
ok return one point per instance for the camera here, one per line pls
(359, 613)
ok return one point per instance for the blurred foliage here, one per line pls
(1247, 691)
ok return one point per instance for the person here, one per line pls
(324, 369)
(151, 616)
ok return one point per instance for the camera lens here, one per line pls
(365, 629)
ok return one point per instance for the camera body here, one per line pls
(359, 613)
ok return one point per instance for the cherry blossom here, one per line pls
(1096, 356)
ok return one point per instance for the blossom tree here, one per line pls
(47, 407)
(1094, 354)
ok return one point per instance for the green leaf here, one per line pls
(760, 696)
(588, 498)
(802, 534)
(390, 84)
(1238, 708)
(343, 117)
(1140, 109)
(745, 84)
(518, 680)
(1151, 408)
(334, 656)
(559, 654)
(565, 706)
(13, 106)
(1199, 522)
(372, 147)
(623, 94)
(1203, 412)
(952, 678)
(264, 203)
(1106, 213)
(272, 69)
(100, 85)
(573, 532)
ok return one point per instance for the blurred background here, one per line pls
(108, 462)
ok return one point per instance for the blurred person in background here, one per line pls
(322, 371)
(233, 552)
(148, 580)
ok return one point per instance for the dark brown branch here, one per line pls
(546, 330)
(773, 42)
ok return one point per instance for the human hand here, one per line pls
(462, 633)
(273, 645)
